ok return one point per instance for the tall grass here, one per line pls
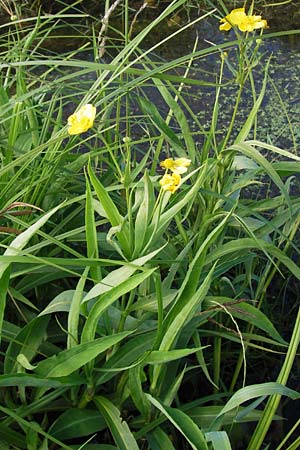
(132, 317)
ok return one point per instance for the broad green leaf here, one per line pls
(125, 356)
(257, 390)
(242, 162)
(246, 244)
(247, 312)
(183, 423)
(143, 215)
(9, 330)
(107, 299)
(172, 391)
(32, 439)
(169, 135)
(162, 357)
(190, 283)
(119, 429)
(159, 440)
(201, 360)
(178, 320)
(117, 276)
(74, 313)
(181, 318)
(60, 303)
(67, 361)
(74, 423)
(23, 362)
(219, 440)
(24, 379)
(277, 150)
(204, 416)
(180, 117)
(26, 342)
(251, 152)
(91, 233)
(136, 391)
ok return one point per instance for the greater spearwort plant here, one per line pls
(138, 251)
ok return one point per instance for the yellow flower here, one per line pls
(239, 18)
(170, 182)
(177, 166)
(253, 23)
(82, 120)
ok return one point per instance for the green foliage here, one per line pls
(133, 312)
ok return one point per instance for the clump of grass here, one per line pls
(133, 290)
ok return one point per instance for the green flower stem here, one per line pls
(233, 117)
(272, 405)
(241, 80)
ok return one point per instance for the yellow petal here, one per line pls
(225, 26)
(178, 165)
(82, 120)
(170, 182)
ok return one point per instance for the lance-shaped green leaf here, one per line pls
(117, 276)
(180, 116)
(247, 312)
(183, 423)
(67, 361)
(74, 313)
(119, 429)
(242, 245)
(162, 357)
(219, 440)
(127, 355)
(143, 215)
(257, 390)
(175, 325)
(167, 132)
(75, 422)
(91, 233)
(108, 299)
(26, 342)
(25, 379)
(158, 439)
(252, 153)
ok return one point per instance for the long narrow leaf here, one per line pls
(118, 427)
(67, 361)
(183, 423)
